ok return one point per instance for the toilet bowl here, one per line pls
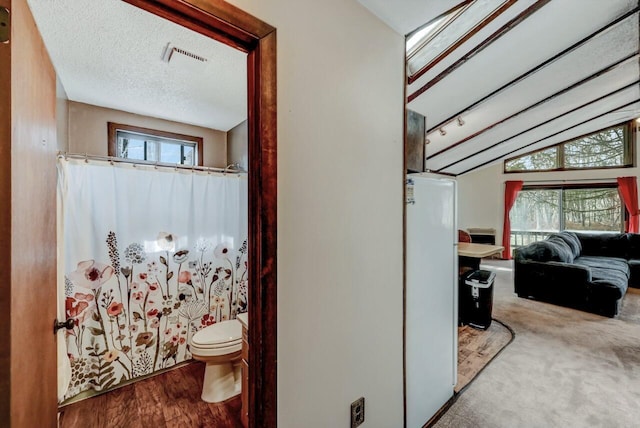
(220, 347)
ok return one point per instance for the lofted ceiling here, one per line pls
(505, 77)
(109, 53)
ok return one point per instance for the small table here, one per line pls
(469, 254)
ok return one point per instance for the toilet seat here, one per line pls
(218, 339)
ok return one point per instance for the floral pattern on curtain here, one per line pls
(136, 303)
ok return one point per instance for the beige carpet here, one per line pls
(565, 368)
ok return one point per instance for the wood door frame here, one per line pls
(228, 24)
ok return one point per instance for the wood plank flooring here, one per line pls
(476, 349)
(169, 400)
(172, 399)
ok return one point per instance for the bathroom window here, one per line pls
(132, 142)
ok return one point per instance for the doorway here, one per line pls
(239, 30)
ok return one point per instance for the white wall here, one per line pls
(237, 145)
(87, 131)
(340, 184)
(481, 193)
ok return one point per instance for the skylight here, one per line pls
(425, 33)
(431, 43)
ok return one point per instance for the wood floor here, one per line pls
(169, 400)
(172, 399)
(476, 349)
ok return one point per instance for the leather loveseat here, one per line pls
(586, 271)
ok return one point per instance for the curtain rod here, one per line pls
(113, 159)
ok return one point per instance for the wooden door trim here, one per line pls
(5, 224)
(226, 23)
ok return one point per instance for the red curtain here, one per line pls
(628, 189)
(511, 190)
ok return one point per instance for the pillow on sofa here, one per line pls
(555, 250)
(634, 245)
(571, 240)
(604, 244)
(562, 251)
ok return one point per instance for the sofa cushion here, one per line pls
(603, 263)
(546, 251)
(633, 251)
(634, 267)
(604, 244)
(572, 241)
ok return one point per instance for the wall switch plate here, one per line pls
(357, 412)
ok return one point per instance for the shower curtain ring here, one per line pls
(86, 159)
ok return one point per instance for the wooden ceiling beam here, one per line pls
(480, 47)
(544, 100)
(455, 45)
(631, 85)
(537, 68)
(549, 136)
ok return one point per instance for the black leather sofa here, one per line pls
(586, 271)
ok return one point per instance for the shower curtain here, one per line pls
(149, 256)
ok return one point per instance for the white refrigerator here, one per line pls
(431, 332)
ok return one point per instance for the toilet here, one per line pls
(220, 347)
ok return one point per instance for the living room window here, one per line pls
(144, 144)
(608, 148)
(540, 211)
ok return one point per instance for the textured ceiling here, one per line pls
(109, 53)
(568, 68)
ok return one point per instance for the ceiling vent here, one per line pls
(173, 53)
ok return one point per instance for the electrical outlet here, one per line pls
(357, 412)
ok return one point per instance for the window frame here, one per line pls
(447, 18)
(629, 154)
(577, 186)
(456, 11)
(112, 139)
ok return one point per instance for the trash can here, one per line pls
(475, 299)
